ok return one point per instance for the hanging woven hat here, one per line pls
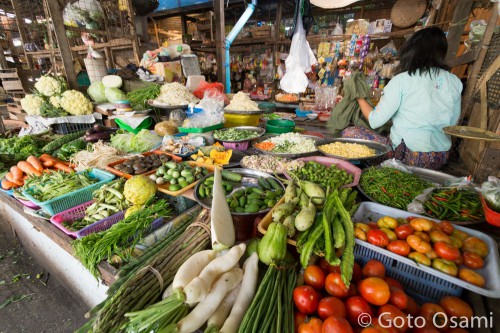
(332, 3)
(406, 13)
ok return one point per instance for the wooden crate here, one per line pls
(14, 107)
(10, 81)
(18, 116)
(261, 32)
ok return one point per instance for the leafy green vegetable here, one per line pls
(139, 97)
(233, 134)
(114, 94)
(139, 143)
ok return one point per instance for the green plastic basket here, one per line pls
(279, 126)
(146, 123)
(67, 201)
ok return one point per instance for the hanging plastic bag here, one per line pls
(338, 30)
(298, 62)
(491, 193)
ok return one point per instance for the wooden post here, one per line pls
(49, 36)
(220, 36)
(277, 28)
(63, 43)
(184, 25)
(135, 38)
(20, 27)
(460, 18)
(3, 61)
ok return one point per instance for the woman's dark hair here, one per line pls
(425, 51)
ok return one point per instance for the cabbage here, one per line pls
(139, 143)
(112, 81)
(96, 92)
(114, 94)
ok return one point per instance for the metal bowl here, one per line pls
(253, 112)
(259, 130)
(249, 180)
(167, 107)
(287, 155)
(380, 148)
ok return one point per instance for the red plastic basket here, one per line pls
(236, 145)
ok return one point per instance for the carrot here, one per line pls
(48, 164)
(10, 177)
(35, 162)
(16, 172)
(6, 185)
(28, 168)
(266, 145)
(63, 167)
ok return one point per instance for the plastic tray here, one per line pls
(110, 167)
(164, 188)
(200, 130)
(341, 164)
(67, 128)
(64, 202)
(70, 215)
(491, 271)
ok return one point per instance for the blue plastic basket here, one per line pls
(10, 193)
(64, 202)
(302, 113)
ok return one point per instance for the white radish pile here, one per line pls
(221, 224)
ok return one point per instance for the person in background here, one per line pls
(422, 99)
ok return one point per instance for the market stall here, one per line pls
(172, 202)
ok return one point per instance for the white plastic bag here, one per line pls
(299, 61)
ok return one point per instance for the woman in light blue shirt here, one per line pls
(422, 99)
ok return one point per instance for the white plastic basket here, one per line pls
(423, 282)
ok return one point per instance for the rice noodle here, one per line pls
(98, 155)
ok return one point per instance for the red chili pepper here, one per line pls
(406, 193)
(384, 190)
(441, 199)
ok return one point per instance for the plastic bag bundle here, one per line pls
(216, 89)
(299, 61)
(491, 193)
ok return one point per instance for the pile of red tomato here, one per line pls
(324, 304)
(429, 243)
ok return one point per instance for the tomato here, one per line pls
(475, 245)
(399, 247)
(473, 260)
(356, 306)
(387, 222)
(314, 277)
(353, 290)
(470, 276)
(336, 325)
(431, 254)
(460, 234)
(456, 242)
(429, 310)
(418, 244)
(454, 306)
(398, 298)
(374, 268)
(439, 236)
(331, 306)
(312, 326)
(446, 227)
(393, 283)
(335, 286)
(306, 299)
(404, 231)
(420, 258)
(446, 251)
(460, 260)
(327, 268)
(360, 234)
(357, 273)
(374, 290)
(389, 315)
(412, 306)
(372, 225)
(378, 325)
(298, 319)
(423, 236)
(445, 266)
(422, 224)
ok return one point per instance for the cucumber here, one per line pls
(274, 184)
(174, 187)
(257, 190)
(242, 201)
(253, 196)
(239, 210)
(239, 193)
(52, 146)
(252, 208)
(201, 191)
(263, 184)
(232, 176)
(256, 201)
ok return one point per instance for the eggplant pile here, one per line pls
(138, 165)
(99, 132)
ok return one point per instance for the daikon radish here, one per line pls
(245, 295)
(192, 267)
(168, 292)
(220, 315)
(198, 288)
(221, 224)
(199, 315)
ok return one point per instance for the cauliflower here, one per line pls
(32, 103)
(49, 85)
(75, 103)
(56, 101)
(139, 189)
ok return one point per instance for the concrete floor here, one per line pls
(43, 304)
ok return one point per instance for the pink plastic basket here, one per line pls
(236, 145)
(341, 164)
(70, 215)
(28, 203)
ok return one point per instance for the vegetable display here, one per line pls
(454, 205)
(97, 155)
(99, 133)
(139, 97)
(429, 243)
(175, 94)
(138, 165)
(17, 174)
(321, 174)
(291, 143)
(135, 143)
(391, 187)
(270, 164)
(347, 150)
(54, 145)
(235, 134)
(379, 300)
(51, 185)
(178, 175)
(66, 152)
(75, 103)
(95, 247)
(108, 200)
